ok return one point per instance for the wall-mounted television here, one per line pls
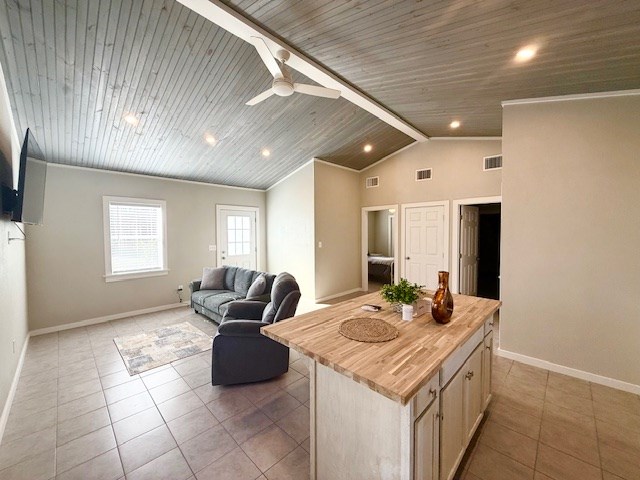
(26, 203)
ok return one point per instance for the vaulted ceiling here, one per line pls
(75, 68)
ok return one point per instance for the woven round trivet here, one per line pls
(370, 330)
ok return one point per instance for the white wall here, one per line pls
(13, 291)
(457, 173)
(290, 230)
(65, 256)
(571, 234)
(337, 227)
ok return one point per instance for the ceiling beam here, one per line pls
(234, 23)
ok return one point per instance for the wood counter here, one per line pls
(396, 369)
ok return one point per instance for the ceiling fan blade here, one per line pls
(316, 91)
(259, 98)
(266, 56)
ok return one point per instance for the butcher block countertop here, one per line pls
(396, 369)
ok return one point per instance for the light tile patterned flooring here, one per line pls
(79, 415)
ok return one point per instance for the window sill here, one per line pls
(118, 277)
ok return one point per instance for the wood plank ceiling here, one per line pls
(75, 68)
(439, 60)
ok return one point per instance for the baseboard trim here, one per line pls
(572, 372)
(106, 318)
(341, 294)
(12, 391)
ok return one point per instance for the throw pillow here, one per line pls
(258, 287)
(212, 278)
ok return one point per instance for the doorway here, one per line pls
(477, 247)
(379, 246)
(237, 236)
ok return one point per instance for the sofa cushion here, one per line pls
(243, 281)
(212, 278)
(229, 278)
(200, 296)
(215, 302)
(257, 288)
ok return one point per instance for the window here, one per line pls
(239, 235)
(135, 238)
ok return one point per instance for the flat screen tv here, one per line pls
(28, 202)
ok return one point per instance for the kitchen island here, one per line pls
(403, 409)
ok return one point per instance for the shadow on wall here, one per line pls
(6, 177)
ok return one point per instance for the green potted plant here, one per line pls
(403, 293)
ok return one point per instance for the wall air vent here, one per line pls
(372, 182)
(423, 174)
(492, 163)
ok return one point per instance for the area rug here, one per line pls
(144, 351)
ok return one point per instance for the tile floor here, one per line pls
(79, 415)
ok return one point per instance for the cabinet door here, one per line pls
(486, 370)
(426, 446)
(473, 399)
(451, 425)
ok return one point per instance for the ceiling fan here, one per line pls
(282, 84)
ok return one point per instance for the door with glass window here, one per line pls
(237, 237)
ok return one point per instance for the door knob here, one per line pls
(407, 258)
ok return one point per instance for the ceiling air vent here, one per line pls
(492, 163)
(424, 174)
(372, 182)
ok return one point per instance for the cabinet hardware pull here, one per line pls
(491, 324)
(469, 375)
(488, 347)
(432, 392)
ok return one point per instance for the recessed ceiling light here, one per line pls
(454, 124)
(526, 53)
(131, 119)
(210, 139)
(265, 152)
(367, 148)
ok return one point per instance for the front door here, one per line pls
(469, 219)
(237, 237)
(424, 245)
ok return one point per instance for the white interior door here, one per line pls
(469, 218)
(237, 237)
(424, 245)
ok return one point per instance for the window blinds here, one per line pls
(136, 233)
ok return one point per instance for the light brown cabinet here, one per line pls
(427, 436)
(486, 369)
(462, 407)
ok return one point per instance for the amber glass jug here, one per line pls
(442, 304)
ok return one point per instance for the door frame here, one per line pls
(439, 203)
(454, 284)
(256, 210)
(365, 244)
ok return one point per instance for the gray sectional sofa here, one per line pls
(214, 303)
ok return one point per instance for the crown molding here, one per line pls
(567, 98)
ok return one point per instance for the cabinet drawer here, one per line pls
(457, 358)
(426, 395)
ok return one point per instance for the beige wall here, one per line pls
(65, 256)
(290, 230)
(337, 226)
(570, 235)
(457, 173)
(13, 291)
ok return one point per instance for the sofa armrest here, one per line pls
(245, 309)
(241, 328)
(195, 285)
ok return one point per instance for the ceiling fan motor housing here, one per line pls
(282, 87)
